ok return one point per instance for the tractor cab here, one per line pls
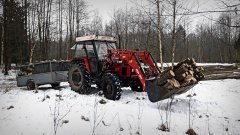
(92, 50)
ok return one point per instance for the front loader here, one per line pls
(96, 60)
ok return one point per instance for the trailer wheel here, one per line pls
(79, 79)
(30, 84)
(136, 86)
(54, 85)
(111, 86)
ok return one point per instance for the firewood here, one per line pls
(175, 83)
(166, 70)
(200, 69)
(190, 72)
(199, 76)
(180, 63)
(188, 80)
(168, 84)
(162, 79)
(196, 70)
(182, 69)
(192, 62)
(172, 84)
(180, 77)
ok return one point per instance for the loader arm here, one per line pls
(156, 92)
(130, 59)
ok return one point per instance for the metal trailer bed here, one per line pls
(51, 72)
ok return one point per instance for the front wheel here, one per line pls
(111, 86)
(136, 85)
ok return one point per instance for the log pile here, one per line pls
(183, 74)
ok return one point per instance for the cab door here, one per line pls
(92, 57)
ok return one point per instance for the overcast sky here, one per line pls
(105, 8)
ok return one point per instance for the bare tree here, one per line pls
(159, 32)
(174, 3)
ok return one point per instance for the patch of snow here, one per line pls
(215, 109)
(200, 64)
(215, 64)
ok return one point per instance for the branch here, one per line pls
(230, 5)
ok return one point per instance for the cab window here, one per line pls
(102, 48)
(90, 50)
(79, 51)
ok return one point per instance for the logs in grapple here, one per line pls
(183, 74)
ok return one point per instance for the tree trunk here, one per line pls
(159, 33)
(5, 55)
(174, 32)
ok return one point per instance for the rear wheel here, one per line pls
(111, 86)
(136, 85)
(79, 79)
(30, 85)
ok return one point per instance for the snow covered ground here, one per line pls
(202, 64)
(214, 110)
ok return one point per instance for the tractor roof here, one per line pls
(95, 37)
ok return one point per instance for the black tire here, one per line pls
(54, 85)
(30, 84)
(79, 79)
(136, 85)
(111, 86)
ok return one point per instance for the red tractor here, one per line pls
(96, 60)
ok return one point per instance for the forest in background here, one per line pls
(38, 30)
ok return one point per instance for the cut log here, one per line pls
(183, 74)
(162, 79)
(180, 70)
(175, 83)
(192, 62)
(172, 84)
(166, 70)
(196, 70)
(181, 77)
(189, 80)
(199, 76)
(182, 62)
(168, 84)
(200, 69)
(190, 72)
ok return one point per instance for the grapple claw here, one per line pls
(157, 93)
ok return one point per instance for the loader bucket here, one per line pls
(157, 93)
